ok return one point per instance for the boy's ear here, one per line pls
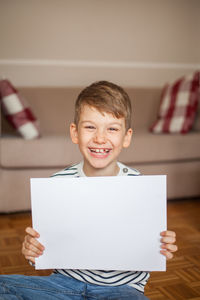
(127, 138)
(74, 133)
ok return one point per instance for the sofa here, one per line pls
(176, 155)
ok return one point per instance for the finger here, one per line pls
(26, 250)
(168, 233)
(31, 247)
(171, 248)
(30, 240)
(30, 253)
(168, 254)
(168, 240)
(31, 259)
(32, 232)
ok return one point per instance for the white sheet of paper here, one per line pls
(103, 223)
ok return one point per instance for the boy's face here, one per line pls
(100, 137)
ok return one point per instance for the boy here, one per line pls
(101, 128)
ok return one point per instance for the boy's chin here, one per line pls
(101, 165)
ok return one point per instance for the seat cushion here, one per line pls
(58, 151)
(47, 151)
(150, 148)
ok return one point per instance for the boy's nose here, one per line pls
(100, 137)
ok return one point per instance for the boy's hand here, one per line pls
(31, 248)
(168, 239)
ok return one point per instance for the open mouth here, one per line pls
(100, 151)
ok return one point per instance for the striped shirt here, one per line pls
(134, 279)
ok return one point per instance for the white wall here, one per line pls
(74, 42)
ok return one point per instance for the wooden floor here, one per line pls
(182, 279)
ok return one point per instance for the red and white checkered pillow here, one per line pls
(178, 106)
(17, 112)
(196, 126)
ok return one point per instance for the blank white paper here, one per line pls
(103, 223)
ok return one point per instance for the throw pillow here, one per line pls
(196, 126)
(178, 106)
(17, 112)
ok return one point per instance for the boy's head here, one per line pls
(101, 127)
(105, 97)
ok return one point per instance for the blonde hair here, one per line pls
(105, 97)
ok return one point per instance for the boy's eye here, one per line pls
(113, 129)
(89, 127)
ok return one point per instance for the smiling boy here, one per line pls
(101, 129)
(100, 137)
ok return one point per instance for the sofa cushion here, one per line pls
(55, 107)
(178, 106)
(17, 112)
(48, 151)
(59, 151)
(152, 148)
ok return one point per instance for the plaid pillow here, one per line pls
(17, 112)
(196, 126)
(178, 106)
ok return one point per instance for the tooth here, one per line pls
(101, 150)
(97, 150)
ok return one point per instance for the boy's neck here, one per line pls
(95, 172)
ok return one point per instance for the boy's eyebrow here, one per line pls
(90, 121)
(115, 123)
(86, 121)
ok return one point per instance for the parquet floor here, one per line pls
(182, 279)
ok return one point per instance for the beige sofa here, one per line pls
(178, 156)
